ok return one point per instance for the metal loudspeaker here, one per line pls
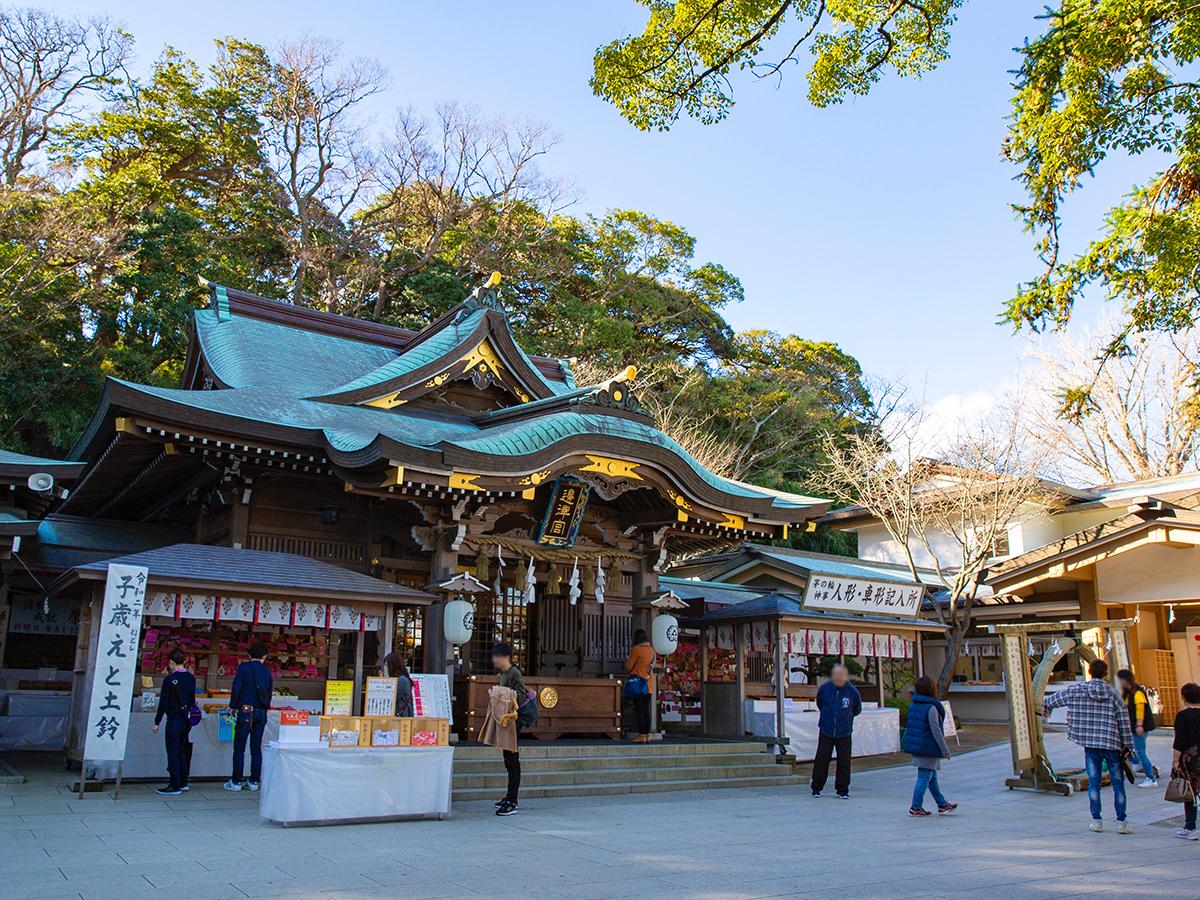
(40, 482)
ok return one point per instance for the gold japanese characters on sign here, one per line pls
(564, 514)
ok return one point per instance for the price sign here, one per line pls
(431, 697)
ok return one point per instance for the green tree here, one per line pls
(1105, 78)
(684, 60)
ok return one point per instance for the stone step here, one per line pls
(490, 763)
(632, 787)
(543, 778)
(538, 749)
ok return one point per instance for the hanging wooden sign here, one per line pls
(564, 514)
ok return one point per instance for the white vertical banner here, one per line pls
(116, 663)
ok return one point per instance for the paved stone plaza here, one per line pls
(733, 843)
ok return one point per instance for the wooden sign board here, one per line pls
(564, 513)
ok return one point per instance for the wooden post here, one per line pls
(879, 679)
(389, 633)
(120, 772)
(780, 678)
(358, 671)
(919, 653)
(739, 633)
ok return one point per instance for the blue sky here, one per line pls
(882, 224)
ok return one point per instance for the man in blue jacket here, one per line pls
(250, 699)
(838, 702)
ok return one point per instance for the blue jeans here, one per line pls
(1094, 759)
(927, 778)
(1139, 750)
(249, 726)
(176, 736)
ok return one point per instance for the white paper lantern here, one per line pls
(665, 634)
(459, 621)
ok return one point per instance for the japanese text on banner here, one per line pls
(116, 661)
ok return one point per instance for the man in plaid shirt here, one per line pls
(1098, 721)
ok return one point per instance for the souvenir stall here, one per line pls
(796, 638)
(213, 603)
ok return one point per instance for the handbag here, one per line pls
(1179, 789)
(635, 686)
(191, 713)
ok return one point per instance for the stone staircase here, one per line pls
(575, 769)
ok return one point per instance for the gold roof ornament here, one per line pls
(493, 280)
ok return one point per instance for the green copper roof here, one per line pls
(422, 354)
(8, 458)
(251, 353)
(274, 366)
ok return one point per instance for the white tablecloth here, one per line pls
(875, 730)
(310, 786)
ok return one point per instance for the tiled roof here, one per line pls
(258, 569)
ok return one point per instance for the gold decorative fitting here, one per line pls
(535, 478)
(679, 499)
(387, 402)
(613, 468)
(548, 697)
(734, 521)
(493, 280)
(464, 481)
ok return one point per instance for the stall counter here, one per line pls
(322, 785)
(146, 755)
(875, 730)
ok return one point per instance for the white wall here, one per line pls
(874, 543)
(1150, 574)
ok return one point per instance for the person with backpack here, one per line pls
(527, 714)
(393, 665)
(1141, 720)
(925, 739)
(250, 699)
(175, 703)
(637, 688)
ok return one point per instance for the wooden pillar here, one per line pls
(879, 679)
(739, 634)
(780, 691)
(359, 641)
(439, 655)
(919, 653)
(389, 632)
(239, 520)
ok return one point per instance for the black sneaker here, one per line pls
(843, 795)
(506, 809)
(499, 803)
(816, 793)
(169, 791)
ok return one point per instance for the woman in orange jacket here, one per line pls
(638, 686)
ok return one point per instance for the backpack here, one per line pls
(529, 711)
(1148, 723)
(262, 692)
